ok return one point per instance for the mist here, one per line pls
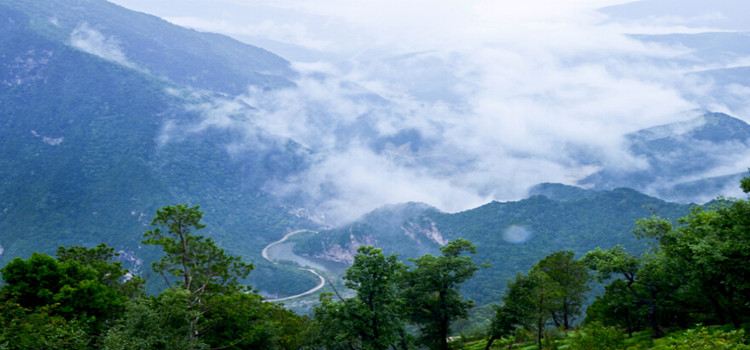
(456, 105)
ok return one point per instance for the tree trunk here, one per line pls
(489, 342)
(402, 335)
(651, 306)
(627, 324)
(540, 322)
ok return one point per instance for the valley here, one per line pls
(277, 252)
(520, 144)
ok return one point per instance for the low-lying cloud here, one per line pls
(91, 41)
(475, 103)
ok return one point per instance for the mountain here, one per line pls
(200, 60)
(511, 236)
(727, 15)
(716, 61)
(99, 128)
(685, 161)
(107, 115)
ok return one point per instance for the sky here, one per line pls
(503, 93)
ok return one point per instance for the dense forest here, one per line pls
(690, 290)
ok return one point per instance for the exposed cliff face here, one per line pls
(344, 253)
(414, 231)
(414, 236)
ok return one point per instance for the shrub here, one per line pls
(597, 336)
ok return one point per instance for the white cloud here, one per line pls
(92, 41)
(502, 94)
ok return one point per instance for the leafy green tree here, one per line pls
(199, 266)
(333, 327)
(545, 295)
(80, 289)
(644, 278)
(377, 310)
(502, 325)
(161, 322)
(571, 278)
(527, 303)
(373, 318)
(39, 328)
(246, 321)
(617, 307)
(109, 271)
(194, 263)
(432, 287)
(706, 251)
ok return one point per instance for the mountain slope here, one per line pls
(511, 236)
(201, 60)
(685, 161)
(85, 158)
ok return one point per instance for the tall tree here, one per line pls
(617, 307)
(378, 310)
(373, 318)
(571, 277)
(432, 287)
(707, 253)
(194, 262)
(643, 276)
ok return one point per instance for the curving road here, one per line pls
(282, 240)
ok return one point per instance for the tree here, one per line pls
(197, 264)
(247, 321)
(373, 318)
(200, 266)
(161, 322)
(88, 288)
(617, 307)
(377, 308)
(643, 277)
(502, 325)
(707, 255)
(109, 271)
(571, 278)
(39, 328)
(432, 286)
(539, 295)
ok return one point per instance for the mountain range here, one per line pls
(108, 114)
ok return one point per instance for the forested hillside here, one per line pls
(92, 145)
(692, 275)
(511, 236)
(106, 114)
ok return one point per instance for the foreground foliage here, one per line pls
(694, 273)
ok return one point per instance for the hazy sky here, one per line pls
(502, 90)
(348, 27)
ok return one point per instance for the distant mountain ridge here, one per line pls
(684, 159)
(511, 236)
(99, 108)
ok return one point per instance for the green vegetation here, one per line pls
(91, 147)
(511, 236)
(432, 292)
(693, 273)
(83, 298)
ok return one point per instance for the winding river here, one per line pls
(280, 250)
